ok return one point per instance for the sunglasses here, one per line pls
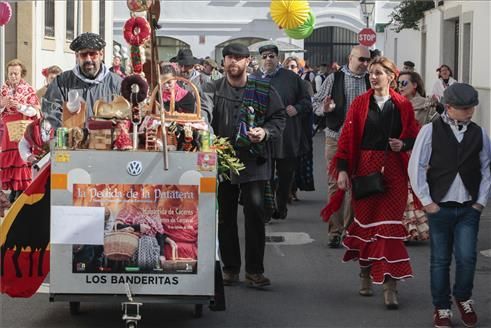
(364, 59)
(270, 56)
(88, 53)
(402, 83)
(293, 66)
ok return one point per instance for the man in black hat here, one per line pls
(90, 77)
(250, 113)
(408, 66)
(449, 172)
(297, 136)
(187, 63)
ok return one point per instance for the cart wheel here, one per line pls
(74, 308)
(131, 324)
(198, 310)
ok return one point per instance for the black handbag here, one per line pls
(373, 183)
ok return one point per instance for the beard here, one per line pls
(90, 69)
(235, 71)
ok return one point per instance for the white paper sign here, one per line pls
(77, 225)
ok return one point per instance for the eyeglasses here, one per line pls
(363, 59)
(88, 53)
(293, 66)
(270, 56)
(402, 83)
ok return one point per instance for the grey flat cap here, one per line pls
(461, 95)
(88, 40)
(269, 47)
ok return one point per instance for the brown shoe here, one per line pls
(366, 282)
(256, 280)
(230, 279)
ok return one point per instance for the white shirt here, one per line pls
(420, 158)
(439, 87)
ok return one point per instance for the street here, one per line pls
(311, 287)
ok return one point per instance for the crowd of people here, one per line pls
(387, 183)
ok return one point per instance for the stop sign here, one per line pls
(367, 37)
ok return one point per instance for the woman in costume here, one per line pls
(380, 128)
(18, 105)
(445, 79)
(49, 73)
(184, 100)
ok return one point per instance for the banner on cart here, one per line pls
(148, 228)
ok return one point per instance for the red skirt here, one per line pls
(376, 236)
(15, 174)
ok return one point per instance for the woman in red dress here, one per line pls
(379, 130)
(18, 102)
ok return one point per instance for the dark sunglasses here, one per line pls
(270, 56)
(88, 53)
(293, 66)
(363, 59)
(402, 83)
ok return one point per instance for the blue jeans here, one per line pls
(453, 229)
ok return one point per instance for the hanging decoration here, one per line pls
(136, 31)
(289, 13)
(139, 5)
(304, 30)
(5, 13)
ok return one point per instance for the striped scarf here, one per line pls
(255, 102)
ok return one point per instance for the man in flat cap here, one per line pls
(297, 136)
(248, 111)
(408, 66)
(90, 78)
(449, 172)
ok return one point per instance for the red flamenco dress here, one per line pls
(376, 237)
(15, 174)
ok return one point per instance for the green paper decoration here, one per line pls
(304, 30)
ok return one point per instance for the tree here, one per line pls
(408, 14)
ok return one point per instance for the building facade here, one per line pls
(455, 33)
(207, 26)
(40, 32)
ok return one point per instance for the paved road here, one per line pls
(311, 287)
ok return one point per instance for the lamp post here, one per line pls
(367, 8)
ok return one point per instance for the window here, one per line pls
(102, 18)
(49, 18)
(70, 19)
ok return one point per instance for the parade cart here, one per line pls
(139, 225)
(92, 262)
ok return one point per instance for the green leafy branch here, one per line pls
(227, 158)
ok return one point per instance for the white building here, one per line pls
(207, 26)
(40, 32)
(455, 33)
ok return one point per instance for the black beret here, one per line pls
(270, 47)
(236, 49)
(88, 40)
(409, 63)
(461, 95)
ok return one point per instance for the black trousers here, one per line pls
(284, 170)
(228, 235)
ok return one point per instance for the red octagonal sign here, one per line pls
(367, 37)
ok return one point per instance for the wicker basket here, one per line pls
(16, 129)
(180, 265)
(101, 139)
(120, 245)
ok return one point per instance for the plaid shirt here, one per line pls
(354, 85)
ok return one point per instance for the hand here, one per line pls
(328, 105)
(3, 102)
(13, 103)
(128, 229)
(256, 135)
(395, 144)
(431, 208)
(291, 111)
(173, 246)
(162, 260)
(32, 158)
(478, 207)
(343, 180)
(144, 227)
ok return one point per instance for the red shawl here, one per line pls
(34, 138)
(351, 138)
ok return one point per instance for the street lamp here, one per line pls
(367, 9)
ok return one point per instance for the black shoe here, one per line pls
(279, 215)
(334, 241)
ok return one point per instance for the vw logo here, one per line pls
(134, 168)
